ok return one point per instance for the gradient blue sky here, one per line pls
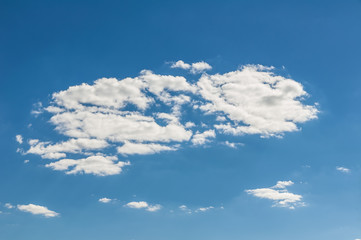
(48, 46)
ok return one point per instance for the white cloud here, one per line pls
(144, 205)
(255, 101)
(37, 109)
(143, 148)
(96, 165)
(343, 169)
(38, 210)
(184, 208)
(119, 127)
(105, 200)
(197, 67)
(189, 124)
(19, 139)
(233, 144)
(151, 113)
(283, 184)
(181, 64)
(204, 209)
(279, 194)
(221, 118)
(26, 161)
(56, 151)
(202, 138)
(9, 205)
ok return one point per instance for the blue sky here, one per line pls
(245, 124)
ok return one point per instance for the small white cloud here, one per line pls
(184, 208)
(279, 194)
(189, 124)
(202, 138)
(283, 184)
(37, 109)
(105, 200)
(204, 209)
(19, 138)
(232, 144)
(154, 208)
(37, 210)
(181, 64)
(343, 169)
(26, 161)
(9, 205)
(144, 205)
(194, 68)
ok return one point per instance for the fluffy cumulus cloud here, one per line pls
(37, 210)
(101, 124)
(279, 195)
(255, 101)
(144, 205)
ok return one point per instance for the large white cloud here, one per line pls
(279, 194)
(151, 113)
(37, 210)
(255, 101)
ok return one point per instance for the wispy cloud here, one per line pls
(343, 169)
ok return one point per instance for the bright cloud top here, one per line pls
(279, 194)
(144, 205)
(37, 210)
(154, 113)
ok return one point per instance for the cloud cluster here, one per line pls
(153, 113)
(279, 194)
